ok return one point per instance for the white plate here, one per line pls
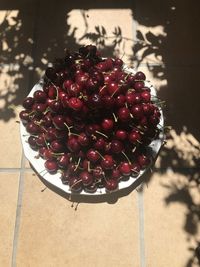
(54, 179)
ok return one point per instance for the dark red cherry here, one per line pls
(111, 185)
(28, 102)
(107, 162)
(51, 166)
(125, 168)
(86, 178)
(93, 155)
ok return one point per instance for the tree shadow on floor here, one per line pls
(166, 40)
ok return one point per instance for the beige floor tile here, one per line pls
(52, 233)
(16, 23)
(103, 27)
(171, 223)
(11, 149)
(164, 35)
(8, 195)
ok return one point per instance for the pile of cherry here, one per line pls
(92, 121)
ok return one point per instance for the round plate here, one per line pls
(54, 179)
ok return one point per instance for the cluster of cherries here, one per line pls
(92, 121)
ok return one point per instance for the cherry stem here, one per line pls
(102, 88)
(114, 116)
(126, 157)
(68, 128)
(46, 143)
(100, 154)
(89, 169)
(77, 165)
(114, 92)
(133, 150)
(46, 111)
(101, 134)
(76, 183)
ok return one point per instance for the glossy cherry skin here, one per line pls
(111, 185)
(86, 178)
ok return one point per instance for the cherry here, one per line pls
(107, 162)
(40, 96)
(133, 98)
(28, 102)
(75, 103)
(125, 168)
(116, 146)
(131, 80)
(100, 144)
(67, 84)
(40, 140)
(138, 85)
(59, 122)
(140, 76)
(41, 151)
(63, 161)
(57, 146)
(74, 90)
(108, 101)
(98, 172)
(121, 135)
(124, 114)
(72, 144)
(143, 160)
(113, 88)
(39, 107)
(50, 134)
(81, 79)
(91, 188)
(111, 185)
(146, 96)
(137, 111)
(118, 62)
(107, 124)
(134, 137)
(24, 116)
(51, 73)
(83, 139)
(135, 169)
(75, 184)
(93, 155)
(32, 142)
(48, 154)
(51, 166)
(56, 106)
(116, 174)
(120, 100)
(32, 128)
(86, 178)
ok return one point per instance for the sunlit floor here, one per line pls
(154, 226)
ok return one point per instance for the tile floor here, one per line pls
(154, 226)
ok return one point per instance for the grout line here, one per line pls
(141, 228)
(140, 194)
(22, 168)
(18, 212)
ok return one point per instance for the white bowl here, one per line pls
(55, 179)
